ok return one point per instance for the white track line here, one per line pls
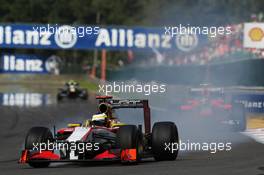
(256, 134)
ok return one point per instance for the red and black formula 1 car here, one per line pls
(92, 142)
(209, 102)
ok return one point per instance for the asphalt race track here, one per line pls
(246, 156)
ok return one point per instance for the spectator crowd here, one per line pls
(222, 48)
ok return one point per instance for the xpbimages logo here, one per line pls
(81, 147)
(122, 87)
(66, 36)
(212, 147)
(211, 31)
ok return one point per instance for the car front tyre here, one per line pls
(37, 135)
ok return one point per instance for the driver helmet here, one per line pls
(71, 82)
(99, 119)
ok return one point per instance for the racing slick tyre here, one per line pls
(164, 133)
(239, 116)
(129, 137)
(37, 135)
(59, 97)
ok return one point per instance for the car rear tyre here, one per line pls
(239, 117)
(164, 133)
(38, 135)
(129, 137)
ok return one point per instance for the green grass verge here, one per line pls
(90, 86)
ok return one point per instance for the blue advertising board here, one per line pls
(22, 63)
(253, 103)
(47, 36)
(25, 99)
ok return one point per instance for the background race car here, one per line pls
(71, 90)
(209, 103)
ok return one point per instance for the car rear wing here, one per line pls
(129, 103)
(216, 91)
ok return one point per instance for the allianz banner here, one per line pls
(253, 103)
(22, 63)
(43, 36)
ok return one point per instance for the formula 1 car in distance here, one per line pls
(106, 138)
(71, 90)
(208, 102)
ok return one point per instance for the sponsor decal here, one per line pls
(186, 42)
(13, 63)
(128, 38)
(65, 37)
(252, 102)
(23, 36)
(254, 35)
(24, 99)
